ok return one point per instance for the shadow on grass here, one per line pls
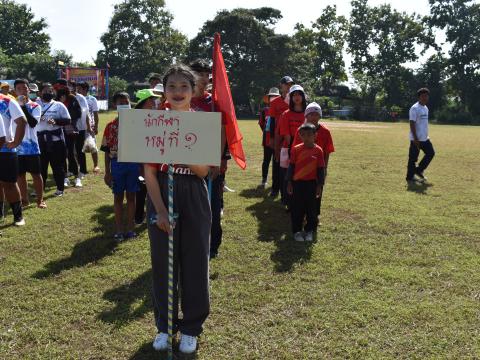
(146, 352)
(419, 188)
(125, 296)
(88, 251)
(274, 225)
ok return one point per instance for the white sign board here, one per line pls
(169, 137)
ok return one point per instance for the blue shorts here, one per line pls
(124, 176)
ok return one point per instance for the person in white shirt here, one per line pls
(419, 139)
(51, 138)
(14, 128)
(82, 88)
(29, 150)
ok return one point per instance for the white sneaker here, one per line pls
(227, 189)
(188, 344)
(78, 182)
(161, 342)
(20, 222)
(66, 182)
(58, 193)
(309, 236)
(298, 236)
(81, 176)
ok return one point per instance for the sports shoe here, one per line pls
(309, 236)
(81, 176)
(420, 176)
(130, 235)
(78, 182)
(58, 193)
(66, 182)
(20, 222)
(188, 344)
(298, 236)
(33, 194)
(118, 237)
(161, 342)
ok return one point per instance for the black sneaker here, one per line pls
(420, 176)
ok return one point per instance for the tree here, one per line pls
(319, 52)
(381, 41)
(255, 57)
(20, 33)
(115, 84)
(140, 39)
(461, 21)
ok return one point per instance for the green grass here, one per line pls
(394, 273)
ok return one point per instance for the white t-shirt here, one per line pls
(419, 115)
(29, 145)
(82, 123)
(2, 127)
(92, 106)
(9, 111)
(52, 110)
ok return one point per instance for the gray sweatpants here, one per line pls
(191, 252)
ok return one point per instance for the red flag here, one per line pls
(222, 97)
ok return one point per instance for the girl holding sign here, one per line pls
(191, 233)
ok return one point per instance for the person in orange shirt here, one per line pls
(265, 124)
(289, 122)
(305, 176)
(323, 137)
(277, 106)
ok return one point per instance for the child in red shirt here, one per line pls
(305, 176)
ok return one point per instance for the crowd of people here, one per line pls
(56, 124)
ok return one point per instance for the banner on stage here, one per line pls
(169, 137)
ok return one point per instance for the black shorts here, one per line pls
(28, 163)
(8, 167)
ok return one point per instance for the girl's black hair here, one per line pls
(61, 92)
(291, 105)
(180, 69)
(120, 95)
(44, 85)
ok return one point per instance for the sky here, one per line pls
(77, 29)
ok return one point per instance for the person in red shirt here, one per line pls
(289, 122)
(203, 101)
(306, 175)
(121, 177)
(277, 106)
(265, 124)
(323, 138)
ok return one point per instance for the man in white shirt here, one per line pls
(419, 139)
(14, 123)
(29, 150)
(82, 88)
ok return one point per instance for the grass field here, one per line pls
(394, 273)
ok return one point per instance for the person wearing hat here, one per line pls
(5, 90)
(267, 143)
(323, 138)
(33, 94)
(154, 79)
(289, 122)
(147, 99)
(277, 106)
(305, 177)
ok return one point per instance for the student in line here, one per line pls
(191, 232)
(121, 177)
(289, 122)
(323, 138)
(305, 176)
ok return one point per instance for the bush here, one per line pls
(455, 115)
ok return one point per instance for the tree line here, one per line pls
(380, 41)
